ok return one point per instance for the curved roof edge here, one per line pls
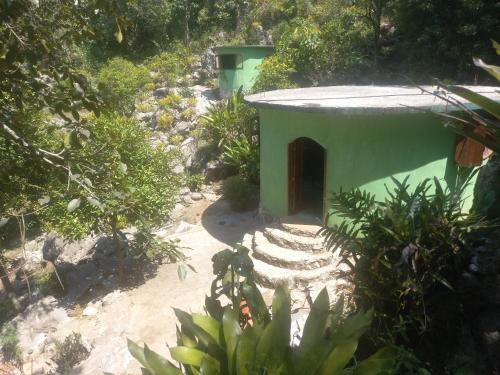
(359, 100)
(265, 46)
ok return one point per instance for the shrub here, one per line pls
(192, 102)
(165, 121)
(9, 342)
(170, 101)
(195, 181)
(228, 120)
(229, 341)
(175, 139)
(275, 72)
(150, 86)
(188, 114)
(144, 107)
(187, 92)
(244, 158)
(131, 181)
(241, 194)
(405, 257)
(120, 81)
(45, 282)
(169, 66)
(69, 353)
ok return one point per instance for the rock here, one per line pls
(185, 227)
(261, 36)
(178, 169)
(92, 309)
(161, 92)
(487, 189)
(144, 116)
(183, 127)
(184, 191)
(53, 246)
(214, 171)
(196, 196)
(186, 199)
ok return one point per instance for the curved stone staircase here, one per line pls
(290, 252)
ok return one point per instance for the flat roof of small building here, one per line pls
(362, 99)
(254, 46)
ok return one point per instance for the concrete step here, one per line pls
(271, 276)
(304, 230)
(286, 258)
(292, 241)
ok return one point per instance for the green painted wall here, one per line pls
(251, 57)
(361, 151)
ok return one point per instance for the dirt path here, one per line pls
(143, 314)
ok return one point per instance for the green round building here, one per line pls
(237, 66)
(315, 141)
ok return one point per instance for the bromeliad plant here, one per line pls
(405, 256)
(220, 342)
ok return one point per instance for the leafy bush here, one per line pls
(69, 353)
(175, 139)
(405, 257)
(144, 107)
(228, 120)
(165, 121)
(275, 73)
(244, 158)
(195, 181)
(9, 342)
(167, 67)
(45, 282)
(170, 101)
(188, 114)
(227, 341)
(130, 183)
(241, 194)
(120, 81)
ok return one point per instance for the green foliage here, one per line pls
(274, 73)
(45, 282)
(9, 342)
(188, 114)
(195, 181)
(221, 342)
(168, 67)
(144, 107)
(244, 158)
(170, 101)
(165, 121)
(404, 257)
(482, 127)
(131, 182)
(70, 353)
(120, 81)
(227, 121)
(241, 194)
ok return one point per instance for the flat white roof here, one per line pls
(362, 99)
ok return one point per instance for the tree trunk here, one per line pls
(187, 11)
(7, 286)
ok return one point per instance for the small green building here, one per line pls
(318, 140)
(237, 66)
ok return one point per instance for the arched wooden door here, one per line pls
(306, 177)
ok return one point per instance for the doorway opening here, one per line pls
(306, 177)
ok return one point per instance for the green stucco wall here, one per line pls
(252, 56)
(361, 151)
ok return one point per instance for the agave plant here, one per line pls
(220, 343)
